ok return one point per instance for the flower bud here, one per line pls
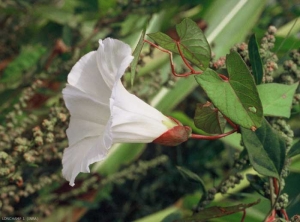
(174, 136)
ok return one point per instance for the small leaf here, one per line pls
(255, 60)
(191, 176)
(257, 183)
(295, 150)
(192, 43)
(277, 98)
(136, 54)
(265, 148)
(215, 212)
(209, 119)
(236, 98)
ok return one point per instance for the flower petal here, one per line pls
(113, 58)
(79, 156)
(85, 107)
(80, 129)
(86, 76)
(87, 99)
(133, 120)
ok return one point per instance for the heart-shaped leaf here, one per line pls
(192, 43)
(266, 149)
(209, 119)
(237, 98)
(255, 60)
(277, 98)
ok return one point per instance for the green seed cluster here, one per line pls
(291, 73)
(284, 129)
(282, 202)
(225, 185)
(268, 57)
(27, 147)
(240, 162)
(295, 218)
(209, 197)
(132, 172)
(218, 64)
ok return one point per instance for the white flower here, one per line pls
(103, 112)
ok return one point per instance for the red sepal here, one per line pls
(174, 136)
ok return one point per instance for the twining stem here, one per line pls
(187, 64)
(172, 63)
(272, 199)
(271, 218)
(274, 188)
(244, 216)
(214, 137)
(193, 71)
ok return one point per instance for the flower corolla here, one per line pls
(103, 112)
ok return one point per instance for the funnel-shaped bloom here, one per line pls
(103, 112)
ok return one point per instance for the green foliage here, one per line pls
(266, 150)
(209, 119)
(142, 178)
(295, 150)
(255, 60)
(237, 97)
(218, 211)
(27, 59)
(277, 98)
(136, 53)
(192, 43)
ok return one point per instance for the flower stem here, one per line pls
(193, 71)
(215, 137)
(172, 63)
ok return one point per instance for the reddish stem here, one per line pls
(286, 217)
(276, 187)
(203, 137)
(185, 61)
(231, 123)
(223, 77)
(244, 216)
(171, 61)
(276, 190)
(271, 218)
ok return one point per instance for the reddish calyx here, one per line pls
(174, 136)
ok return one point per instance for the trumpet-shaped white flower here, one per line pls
(103, 112)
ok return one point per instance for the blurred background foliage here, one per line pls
(41, 41)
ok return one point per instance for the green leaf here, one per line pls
(215, 212)
(26, 60)
(255, 60)
(257, 183)
(225, 19)
(237, 97)
(277, 98)
(190, 176)
(295, 150)
(192, 43)
(136, 54)
(209, 119)
(119, 155)
(266, 149)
